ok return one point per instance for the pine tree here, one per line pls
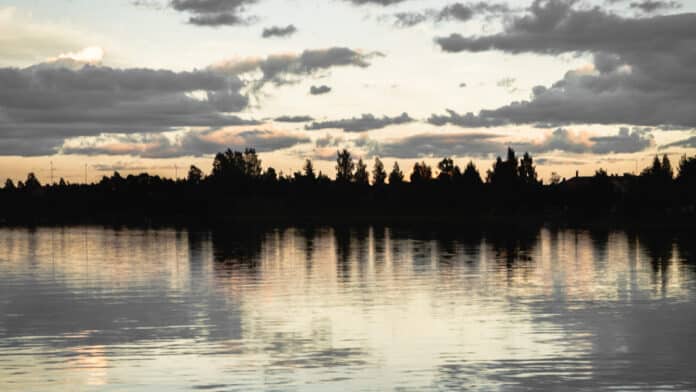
(421, 173)
(309, 170)
(344, 166)
(361, 176)
(396, 176)
(379, 176)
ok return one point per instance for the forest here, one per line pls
(240, 189)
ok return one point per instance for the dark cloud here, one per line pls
(376, 2)
(40, 106)
(294, 119)
(463, 12)
(51, 102)
(279, 68)
(363, 123)
(319, 90)
(468, 120)
(486, 144)
(19, 146)
(644, 68)
(409, 19)
(626, 141)
(556, 26)
(459, 12)
(122, 166)
(277, 31)
(192, 143)
(151, 4)
(650, 6)
(688, 143)
(440, 145)
(213, 12)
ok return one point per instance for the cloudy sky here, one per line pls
(134, 85)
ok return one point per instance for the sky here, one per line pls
(87, 88)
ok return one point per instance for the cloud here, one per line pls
(626, 141)
(293, 119)
(468, 120)
(650, 6)
(410, 19)
(67, 97)
(122, 166)
(151, 4)
(375, 2)
(459, 12)
(214, 12)
(688, 143)
(440, 145)
(359, 124)
(555, 26)
(464, 12)
(319, 90)
(20, 146)
(47, 103)
(487, 144)
(277, 31)
(279, 69)
(191, 143)
(643, 73)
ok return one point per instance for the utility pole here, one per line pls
(51, 172)
(85, 174)
(176, 172)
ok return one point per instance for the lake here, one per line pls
(346, 308)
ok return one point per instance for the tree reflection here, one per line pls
(238, 249)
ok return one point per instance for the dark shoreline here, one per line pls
(460, 223)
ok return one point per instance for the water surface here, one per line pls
(346, 308)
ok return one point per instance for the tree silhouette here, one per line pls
(32, 183)
(235, 165)
(422, 173)
(379, 176)
(526, 170)
(504, 173)
(448, 170)
(361, 175)
(396, 176)
(9, 185)
(270, 175)
(344, 166)
(195, 175)
(667, 167)
(309, 170)
(239, 188)
(660, 171)
(654, 170)
(687, 170)
(252, 163)
(471, 175)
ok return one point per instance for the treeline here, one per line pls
(239, 188)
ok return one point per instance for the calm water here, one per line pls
(367, 308)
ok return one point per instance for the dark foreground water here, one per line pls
(363, 308)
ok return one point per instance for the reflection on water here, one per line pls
(346, 308)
